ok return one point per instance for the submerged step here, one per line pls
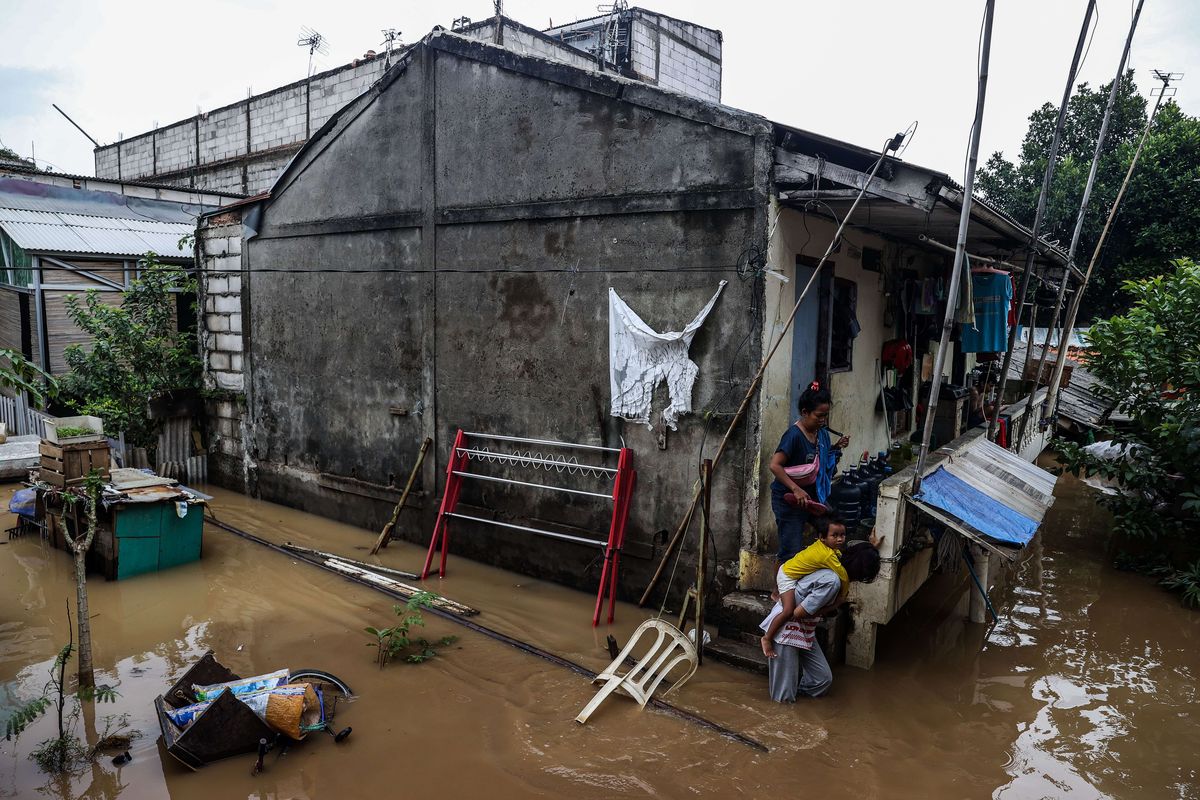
(738, 654)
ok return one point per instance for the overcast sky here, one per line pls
(858, 70)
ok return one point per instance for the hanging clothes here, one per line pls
(1012, 307)
(993, 296)
(927, 300)
(966, 298)
(639, 358)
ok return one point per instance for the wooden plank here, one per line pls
(439, 602)
(997, 488)
(792, 164)
(295, 548)
(10, 320)
(61, 332)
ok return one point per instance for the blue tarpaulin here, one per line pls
(976, 509)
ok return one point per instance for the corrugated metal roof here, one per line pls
(1078, 401)
(49, 232)
(42, 218)
(988, 494)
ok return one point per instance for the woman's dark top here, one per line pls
(796, 447)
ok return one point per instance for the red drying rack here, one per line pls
(470, 447)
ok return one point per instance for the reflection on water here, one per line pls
(1084, 688)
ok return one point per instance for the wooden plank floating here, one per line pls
(399, 573)
(374, 574)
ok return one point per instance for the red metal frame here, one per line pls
(623, 486)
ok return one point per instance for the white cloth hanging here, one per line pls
(639, 357)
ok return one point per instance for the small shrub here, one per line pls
(395, 641)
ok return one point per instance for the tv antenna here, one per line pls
(391, 39)
(610, 42)
(315, 42)
(1167, 78)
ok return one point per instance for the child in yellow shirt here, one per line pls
(824, 553)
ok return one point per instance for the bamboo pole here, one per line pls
(1079, 220)
(960, 250)
(386, 533)
(504, 638)
(1073, 312)
(1047, 178)
(702, 561)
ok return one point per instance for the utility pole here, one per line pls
(964, 221)
(1073, 312)
(1079, 220)
(1047, 178)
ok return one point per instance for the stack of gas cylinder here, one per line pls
(855, 493)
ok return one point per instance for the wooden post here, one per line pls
(702, 560)
(386, 533)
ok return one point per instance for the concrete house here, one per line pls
(439, 257)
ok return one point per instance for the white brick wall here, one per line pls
(277, 118)
(175, 147)
(221, 287)
(684, 64)
(223, 134)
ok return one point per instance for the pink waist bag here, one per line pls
(804, 474)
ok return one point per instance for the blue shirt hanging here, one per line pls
(993, 296)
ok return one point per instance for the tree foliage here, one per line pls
(137, 352)
(17, 372)
(1159, 218)
(1148, 363)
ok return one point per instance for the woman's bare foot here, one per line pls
(768, 647)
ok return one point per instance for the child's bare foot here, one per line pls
(768, 647)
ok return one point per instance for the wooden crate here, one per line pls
(69, 464)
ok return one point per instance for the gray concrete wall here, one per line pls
(492, 200)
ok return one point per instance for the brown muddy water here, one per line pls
(1087, 687)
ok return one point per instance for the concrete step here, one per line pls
(737, 653)
(741, 612)
(738, 632)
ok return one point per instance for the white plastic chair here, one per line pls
(670, 649)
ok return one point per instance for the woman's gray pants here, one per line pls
(794, 671)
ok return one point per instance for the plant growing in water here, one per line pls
(64, 751)
(394, 641)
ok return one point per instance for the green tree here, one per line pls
(137, 353)
(1159, 218)
(1148, 364)
(24, 376)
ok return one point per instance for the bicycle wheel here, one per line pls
(335, 694)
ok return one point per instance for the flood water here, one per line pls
(1085, 689)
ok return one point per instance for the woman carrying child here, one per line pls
(800, 667)
(805, 444)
